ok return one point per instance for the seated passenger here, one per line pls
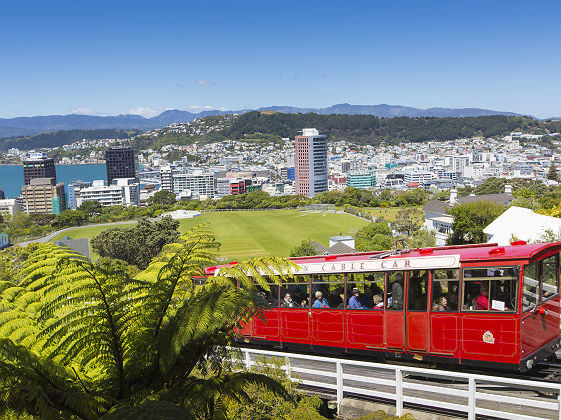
(482, 300)
(287, 302)
(304, 303)
(320, 302)
(452, 300)
(342, 304)
(354, 301)
(378, 302)
(442, 304)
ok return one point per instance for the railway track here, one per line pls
(492, 396)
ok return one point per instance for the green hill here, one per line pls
(60, 138)
(360, 129)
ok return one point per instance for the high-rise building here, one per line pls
(310, 161)
(121, 163)
(166, 179)
(2, 195)
(201, 183)
(74, 192)
(43, 195)
(38, 166)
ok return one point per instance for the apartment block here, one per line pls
(43, 195)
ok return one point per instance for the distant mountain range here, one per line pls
(27, 126)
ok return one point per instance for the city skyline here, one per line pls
(116, 58)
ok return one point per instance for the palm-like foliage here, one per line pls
(79, 338)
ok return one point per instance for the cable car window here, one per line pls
(365, 291)
(394, 291)
(550, 279)
(490, 289)
(327, 290)
(531, 291)
(445, 288)
(295, 294)
(271, 295)
(418, 290)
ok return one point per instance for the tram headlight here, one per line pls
(529, 364)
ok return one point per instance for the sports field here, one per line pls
(245, 234)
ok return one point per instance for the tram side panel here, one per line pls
(444, 334)
(490, 338)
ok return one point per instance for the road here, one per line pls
(51, 235)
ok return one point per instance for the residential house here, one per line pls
(439, 220)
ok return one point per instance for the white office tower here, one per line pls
(122, 191)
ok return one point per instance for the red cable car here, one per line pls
(479, 305)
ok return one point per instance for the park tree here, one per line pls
(79, 340)
(552, 174)
(162, 198)
(304, 249)
(376, 236)
(470, 219)
(91, 208)
(409, 220)
(139, 244)
(70, 218)
(491, 185)
(422, 239)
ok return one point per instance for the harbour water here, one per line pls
(11, 176)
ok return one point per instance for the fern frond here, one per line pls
(150, 410)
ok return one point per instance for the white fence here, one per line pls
(472, 394)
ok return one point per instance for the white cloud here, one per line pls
(194, 107)
(204, 82)
(207, 107)
(146, 112)
(83, 111)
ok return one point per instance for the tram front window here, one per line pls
(550, 281)
(490, 289)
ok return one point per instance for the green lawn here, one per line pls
(86, 231)
(245, 234)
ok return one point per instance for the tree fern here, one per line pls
(80, 338)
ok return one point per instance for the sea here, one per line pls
(11, 176)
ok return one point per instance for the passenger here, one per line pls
(342, 304)
(287, 302)
(354, 301)
(320, 302)
(304, 303)
(482, 300)
(378, 302)
(397, 293)
(442, 304)
(453, 300)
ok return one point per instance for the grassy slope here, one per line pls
(255, 233)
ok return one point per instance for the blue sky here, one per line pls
(111, 57)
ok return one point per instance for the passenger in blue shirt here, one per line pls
(320, 302)
(354, 301)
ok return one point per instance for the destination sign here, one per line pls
(387, 264)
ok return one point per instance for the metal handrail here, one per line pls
(472, 394)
